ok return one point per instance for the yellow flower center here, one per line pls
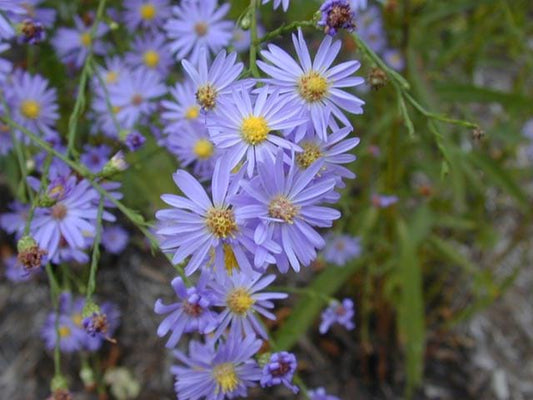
(148, 11)
(85, 39)
(254, 130)
(225, 377)
(30, 109)
(282, 208)
(207, 97)
(192, 112)
(310, 154)
(151, 58)
(230, 261)
(64, 331)
(201, 28)
(221, 222)
(115, 109)
(239, 301)
(313, 87)
(111, 77)
(203, 149)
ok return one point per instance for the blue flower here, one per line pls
(115, 239)
(239, 294)
(182, 109)
(314, 86)
(335, 15)
(197, 25)
(279, 370)
(340, 313)
(217, 372)
(151, 52)
(320, 394)
(244, 126)
(340, 249)
(95, 157)
(192, 312)
(145, 14)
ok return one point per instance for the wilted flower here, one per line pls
(341, 313)
(279, 370)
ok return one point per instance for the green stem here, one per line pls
(253, 32)
(284, 29)
(80, 100)
(91, 284)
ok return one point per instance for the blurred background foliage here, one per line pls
(432, 260)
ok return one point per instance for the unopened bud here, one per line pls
(117, 163)
(377, 78)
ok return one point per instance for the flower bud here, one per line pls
(29, 253)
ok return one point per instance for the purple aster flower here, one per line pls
(239, 294)
(134, 141)
(314, 86)
(73, 44)
(338, 313)
(333, 152)
(280, 370)
(13, 222)
(135, 95)
(340, 249)
(32, 103)
(182, 109)
(32, 32)
(191, 313)
(95, 157)
(70, 335)
(146, 14)
(115, 239)
(283, 203)
(383, 201)
(212, 82)
(71, 218)
(335, 15)
(197, 224)
(97, 330)
(150, 51)
(193, 147)
(277, 3)
(244, 126)
(217, 372)
(394, 58)
(197, 25)
(320, 394)
(9, 7)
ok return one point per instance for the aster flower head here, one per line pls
(212, 82)
(217, 372)
(134, 141)
(99, 326)
(149, 14)
(277, 3)
(14, 221)
(135, 95)
(73, 44)
(338, 313)
(150, 51)
(198, 224)
(279, 370)
(394, 58)
(283, 204)
(70, 335)
(191, 313)
(240, 295)
(370, 29)
(335, 15)
(115, 239)
(314, 86)
(95, 157)
(70, 220)
(320, 394)
(244, 126)
(182, 109)
(33, 103)
(194, 148)
(197, 25)
(340, 249)
(32, 32)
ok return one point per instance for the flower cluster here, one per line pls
(263, 153)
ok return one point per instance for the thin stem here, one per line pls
(54, 293)
(282, 30)
(91, 284)
(80, 100)
(253, 32)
